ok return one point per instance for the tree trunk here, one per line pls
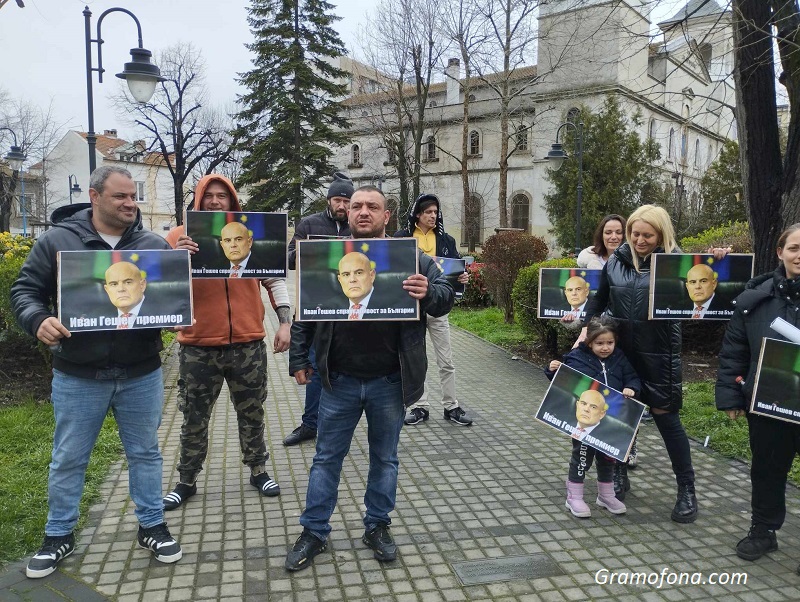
(757, 119)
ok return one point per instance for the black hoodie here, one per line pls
(445, 244)
(96, 354)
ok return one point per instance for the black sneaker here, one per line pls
(458, 416)
(300, 434)
(53, 551)
(158, 540)
(416, 416)
(303, 551)
(265, 485)
(759, 541)
(380, 541)
(180, 494)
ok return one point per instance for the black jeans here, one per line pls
(774, 444)
(581, 461)
(677, 444)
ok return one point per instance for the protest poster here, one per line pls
(777, 387)
(586, 409)
(356, 279)
(114, 290)
(452, 269)
(238, 244)
(686, 286)
(565, 291)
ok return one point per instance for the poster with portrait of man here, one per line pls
(356, 279)
(563, 292)
(238, 244)
(118, 290)
(777, 387)
(452, 269)
(685, 286)
(586, 409)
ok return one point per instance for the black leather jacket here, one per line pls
(96, 354)
(765, 298)
(653, 347)
(413, 359)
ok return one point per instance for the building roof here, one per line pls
(110, 146)
(517, 74)
(695, 9)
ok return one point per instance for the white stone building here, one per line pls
(678, 79)
(70, 157)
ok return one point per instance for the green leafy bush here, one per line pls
(733, 234)
(551, 335)
(505, 254)
(13, 251)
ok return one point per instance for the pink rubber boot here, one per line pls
(607, 500)
(575, 503)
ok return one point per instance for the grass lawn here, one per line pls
(488, 323)
(699, 415)
(26, 441)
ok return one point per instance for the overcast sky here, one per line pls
(43, 56)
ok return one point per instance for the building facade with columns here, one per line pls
(679, 80)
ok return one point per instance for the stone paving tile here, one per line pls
(493, 490)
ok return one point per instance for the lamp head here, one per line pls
(556, 156)
(15, 157)
(141, 75)
(75, 190)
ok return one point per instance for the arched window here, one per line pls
(697, 153)
(684, 146)
(573, 114)
(391, 155)
(709, 155)
(520, 211)
(472, 98)
(651, 130)
(355, 155)
(671, 145)
(430, 148)
(474, 143)
(433, 103)
(394, 208)
(472, 221)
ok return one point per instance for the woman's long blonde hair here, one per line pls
(660, 221)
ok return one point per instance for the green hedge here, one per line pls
(732, 234)
(9, 270)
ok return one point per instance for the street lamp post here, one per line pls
(556, 156)
(16, 158)
(74, 188)
(141, 75)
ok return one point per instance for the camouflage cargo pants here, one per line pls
(202, 371)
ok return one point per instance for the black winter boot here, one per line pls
(759, 541)
(621, 483)
(685, 510)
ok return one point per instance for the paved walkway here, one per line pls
(480, 515)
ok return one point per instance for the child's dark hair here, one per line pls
(600, 325)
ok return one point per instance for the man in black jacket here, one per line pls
(426, 225)
(94, 372)
(371, 367)
(329, 223)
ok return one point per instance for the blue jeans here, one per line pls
(381, 399)
(313, 391)
(80, 406)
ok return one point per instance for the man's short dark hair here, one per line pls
(97, 180)
(371, 188)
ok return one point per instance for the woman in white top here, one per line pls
(609, 235)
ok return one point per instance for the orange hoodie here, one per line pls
(226, 310)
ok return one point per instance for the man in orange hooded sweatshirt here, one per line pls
(225, 344)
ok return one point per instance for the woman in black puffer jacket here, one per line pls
(653, 347)
(774, 442)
